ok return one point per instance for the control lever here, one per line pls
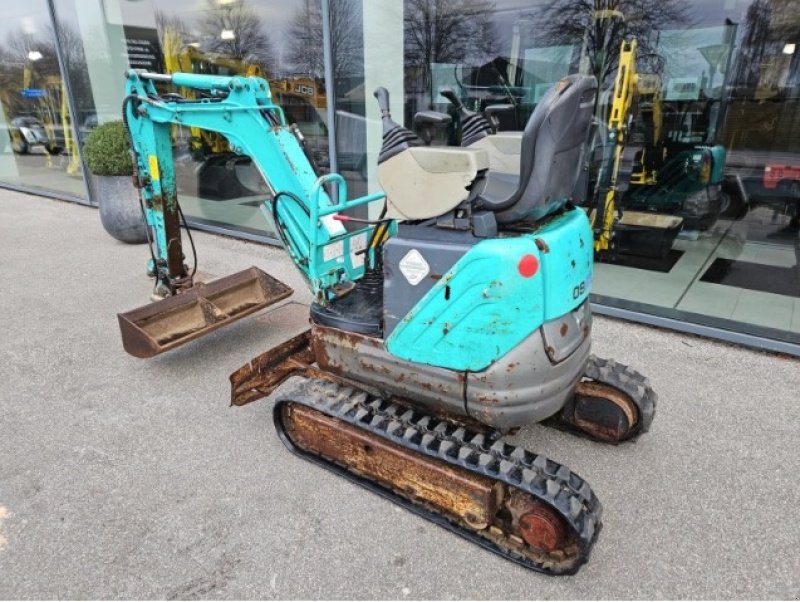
(473, 125)
(396, 138)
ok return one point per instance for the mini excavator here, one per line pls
(458, 315)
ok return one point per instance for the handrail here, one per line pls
(316, 211)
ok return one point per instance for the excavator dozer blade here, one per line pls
(169, 323)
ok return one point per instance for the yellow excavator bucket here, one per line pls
(158, 327)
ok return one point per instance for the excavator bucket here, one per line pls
(164, 325)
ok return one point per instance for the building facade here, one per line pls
(718, 249)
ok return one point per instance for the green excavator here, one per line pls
(457, 314)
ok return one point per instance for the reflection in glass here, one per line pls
(242, 38)
(37, 141)
(708, 177)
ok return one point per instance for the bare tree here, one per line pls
(236, 31)
(448, 31)
(306, 43)
(602, 25)
(29, 61)
(171, 24)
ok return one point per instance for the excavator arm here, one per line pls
(241, 109)
(330, 257)
(608, 213)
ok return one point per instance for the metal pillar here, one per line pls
(330, 88)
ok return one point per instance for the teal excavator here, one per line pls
(459, 314)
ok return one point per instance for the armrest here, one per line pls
(425, 123)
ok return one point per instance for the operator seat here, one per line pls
(551, 155)
(423, 182)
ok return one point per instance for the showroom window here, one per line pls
(706, 232)
(278, 40)
(38, 147)
(708, 184)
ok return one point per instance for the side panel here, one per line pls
(364, 359)
(440, 250)
(567, 258)
(478, 311)
(500, 292)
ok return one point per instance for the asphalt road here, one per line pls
(127, 478)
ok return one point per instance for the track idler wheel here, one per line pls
(613, 403)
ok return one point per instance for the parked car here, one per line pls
(32, 133)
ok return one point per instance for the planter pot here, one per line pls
(120, 213)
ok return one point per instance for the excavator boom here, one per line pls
(240, 109)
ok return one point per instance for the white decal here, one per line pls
(358, 243)
(333, 251)
(414, 267)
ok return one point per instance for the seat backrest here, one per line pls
(551, 154)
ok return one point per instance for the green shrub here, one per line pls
(107, 152)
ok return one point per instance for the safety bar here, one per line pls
(342, 204)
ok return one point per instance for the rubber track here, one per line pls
(548, 481)
(629, 381)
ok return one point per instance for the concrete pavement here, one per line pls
(127, 478)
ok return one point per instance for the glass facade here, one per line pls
(707, 185)
(37, 138)
(717, 79)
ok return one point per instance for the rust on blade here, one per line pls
(470, 497)
(174, 321)
(259, 377)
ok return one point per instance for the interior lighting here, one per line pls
(789, 49)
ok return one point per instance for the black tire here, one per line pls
(733, 206)
(21, 148)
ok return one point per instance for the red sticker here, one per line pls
(528, 265)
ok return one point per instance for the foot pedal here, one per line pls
(158, 327)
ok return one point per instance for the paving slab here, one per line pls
(129, 478)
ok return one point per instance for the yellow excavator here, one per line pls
(672, 185)
(14, 135)
(186, 58)
(217, 171)
(51, 109)
(608, 218)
